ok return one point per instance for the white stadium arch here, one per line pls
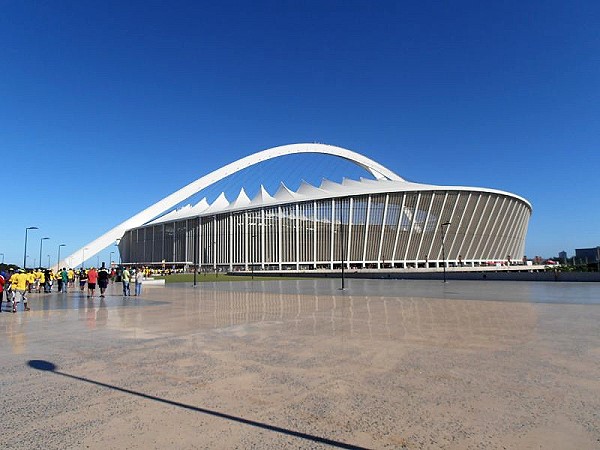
(109, 238)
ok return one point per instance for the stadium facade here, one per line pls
(386, 222)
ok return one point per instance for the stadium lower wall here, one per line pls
(389, 230)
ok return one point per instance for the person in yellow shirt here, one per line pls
(38, 280)
(41, 281)
(71, 277)
(30, 280)
(19, 283)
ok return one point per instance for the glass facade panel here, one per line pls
(169, 234)
(375, 227)
(158, 243)
(391, 226)
(307, 233)
(180, 242)
(358, 228)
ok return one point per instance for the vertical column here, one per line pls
(262, 228)
(439, 221)
(385, 210)
(231, 241)
(424, 230)
(214, 246)
(364, 253)
(246, 257)
(466, 256)
(398, 229)
(279, 240)
(315, 235)
(460, 220)
(412, 225)
(349, 231)
(481, 216)
(297, 234)
(332, 234)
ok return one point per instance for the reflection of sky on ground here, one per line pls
(78, 301)
(512, 291)
(466, 323)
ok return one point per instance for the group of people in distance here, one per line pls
(17, 284)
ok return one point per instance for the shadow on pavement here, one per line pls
(47, 366)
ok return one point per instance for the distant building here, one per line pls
(588, 255)
(562, 255)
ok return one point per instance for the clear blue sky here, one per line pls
(106, 107)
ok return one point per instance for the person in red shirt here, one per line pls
(92, 277)
(2, 281)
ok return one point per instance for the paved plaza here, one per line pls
(302, 364)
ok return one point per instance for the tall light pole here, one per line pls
(41, 243)
(58, 261)
(25, 252)
(445, 224)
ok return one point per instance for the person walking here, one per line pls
(125, 277)
(2, 281)
(59, 280)
(64, 275)
(9, 293)
(71, 276)
(139, 277)
(20, 283)
(47, 280)
(92, 280)
(82, 279)
(103, 276)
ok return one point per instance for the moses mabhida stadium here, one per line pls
(377, 221)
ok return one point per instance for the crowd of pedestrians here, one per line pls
(15, 285)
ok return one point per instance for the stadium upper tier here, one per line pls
(308, 192)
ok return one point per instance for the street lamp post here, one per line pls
(445, 224)
(41, 244)
(25, 252)
(58, 260)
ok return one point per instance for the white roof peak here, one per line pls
(241, 200)
(309, 190)
(219, 204)
(331, 186)
(283, 193)
(262, 196)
